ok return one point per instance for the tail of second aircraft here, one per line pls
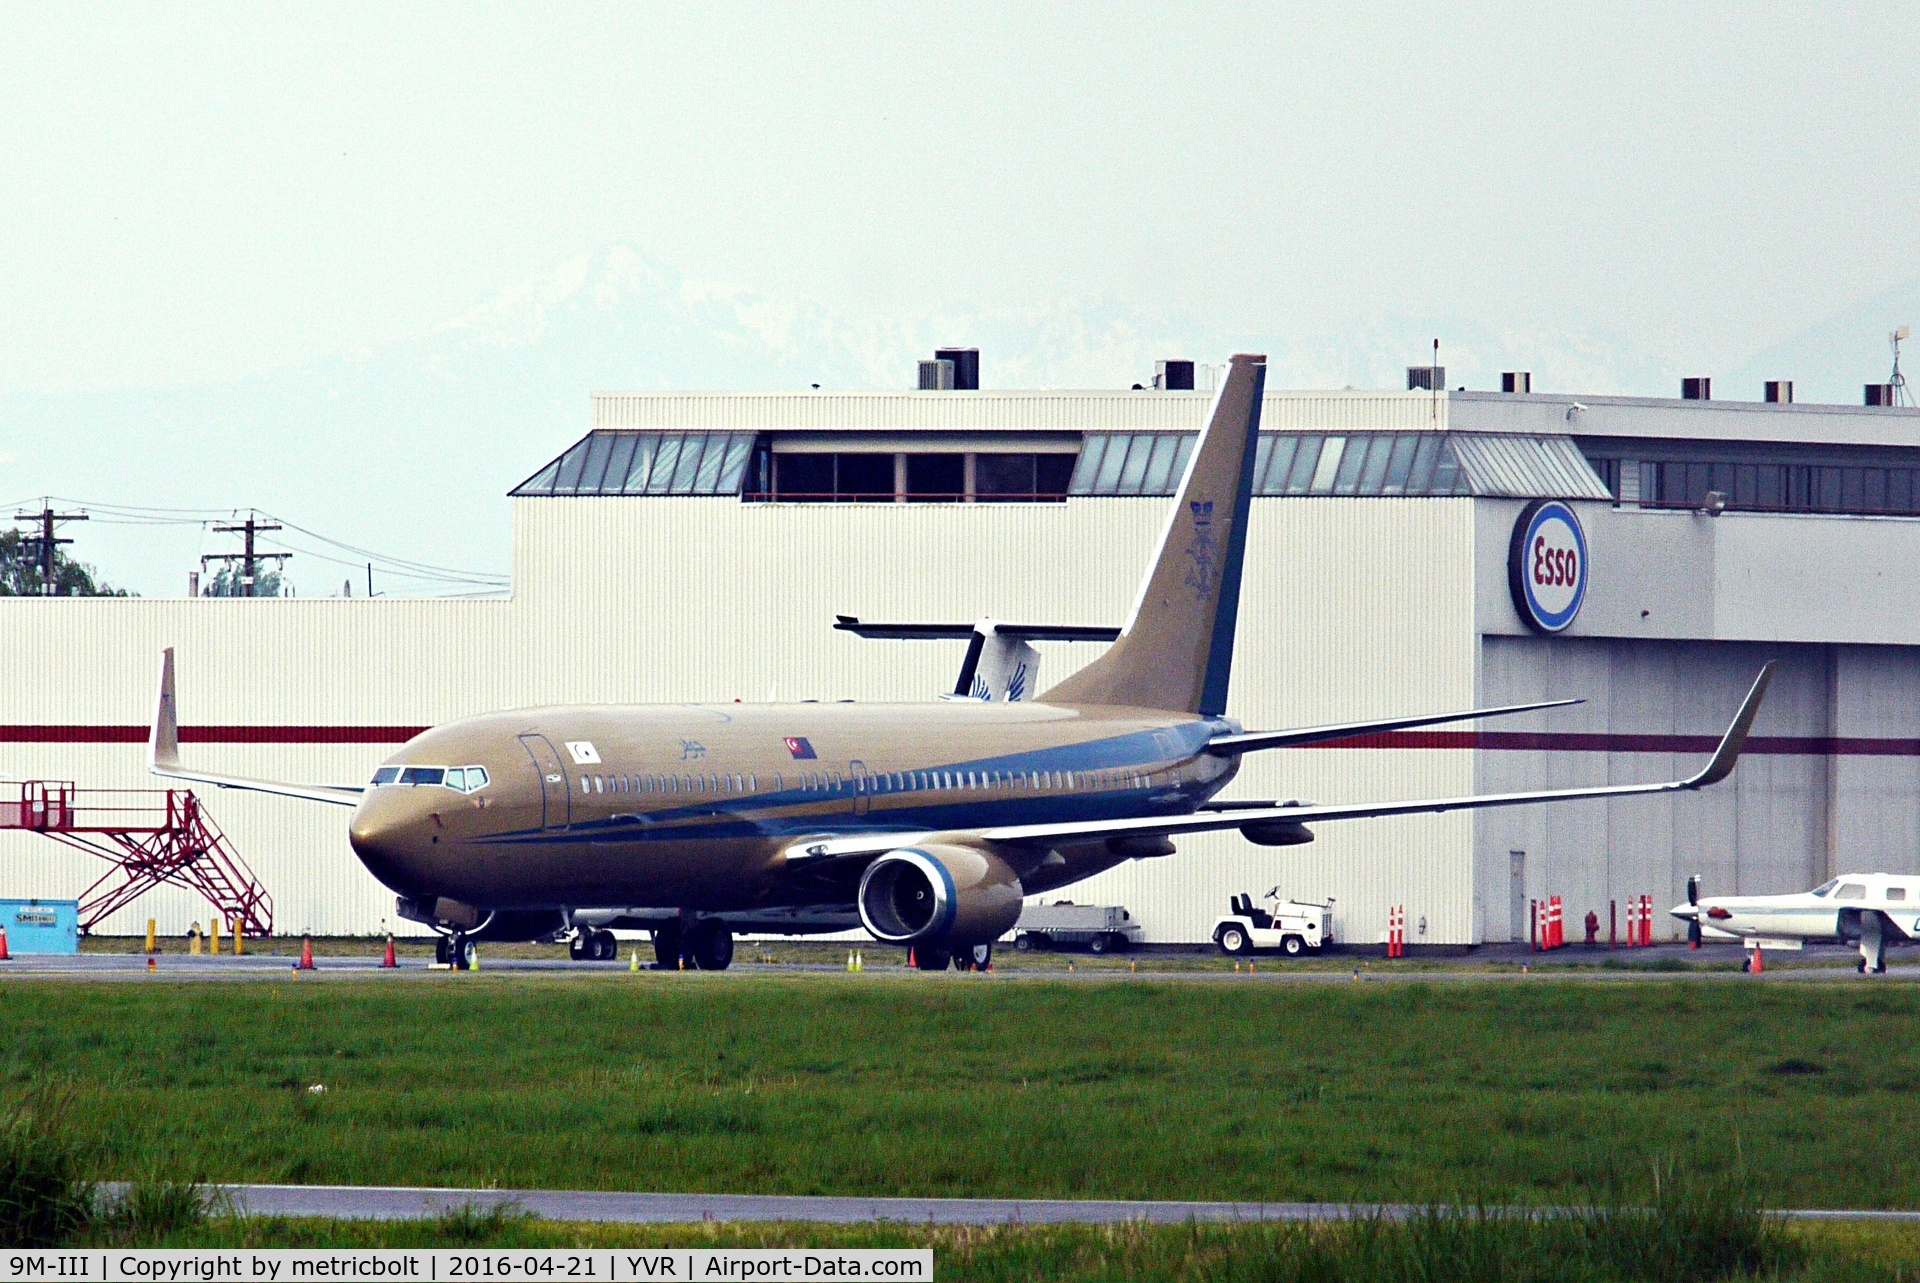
(1177, 647)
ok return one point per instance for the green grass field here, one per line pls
(1530, 1091)
(1424, 1252)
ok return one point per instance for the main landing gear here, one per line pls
(968, 957)
(593, 946)
(690, 943)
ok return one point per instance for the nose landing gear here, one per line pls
(454, 950)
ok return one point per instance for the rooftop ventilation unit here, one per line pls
(1426, 378)
(1696, 389)
(1173, 376)
(1519, 381)
(1780, 391)
(966, 366)
(936, 376)
(1878, 394)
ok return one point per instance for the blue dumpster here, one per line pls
(41, 926)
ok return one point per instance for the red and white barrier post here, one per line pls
(1397, 931)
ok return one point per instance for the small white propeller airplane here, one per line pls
(1876, 909)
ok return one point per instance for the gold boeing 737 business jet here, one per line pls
(925, 823)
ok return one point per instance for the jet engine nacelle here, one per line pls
(939, 894)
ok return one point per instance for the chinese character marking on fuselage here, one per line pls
(1201, 551)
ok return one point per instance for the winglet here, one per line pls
(163, 745)
(1736, 737)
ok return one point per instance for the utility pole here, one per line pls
(248, 559)
(47, 518)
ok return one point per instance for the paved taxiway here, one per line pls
(1637, 965)
(374, 1202)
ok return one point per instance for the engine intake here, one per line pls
(939, 894)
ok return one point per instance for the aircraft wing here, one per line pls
(1717, 769)
(163, 755)
(826, 851)
(1229, 745)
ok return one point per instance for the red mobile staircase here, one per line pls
(151, 837)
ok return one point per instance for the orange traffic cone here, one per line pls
(306, 954)
(911, 960)
(153, 963)
(4, 955)
(389, 960)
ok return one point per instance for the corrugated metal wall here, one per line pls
(1350, 609)
(1764, 831)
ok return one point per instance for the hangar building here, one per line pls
(698, 546)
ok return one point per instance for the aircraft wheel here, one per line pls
(577, 946)
(460, 952)
(443, 951)
(1233, 940)
(973, 957)
(712, 946)
(930, 958)
(605, 947)
(666, 944)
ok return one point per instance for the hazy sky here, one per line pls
(196, 193)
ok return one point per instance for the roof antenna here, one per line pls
(1433, 382)
(1898, 381)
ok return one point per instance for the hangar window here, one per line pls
(1363, 464)
(655, 463)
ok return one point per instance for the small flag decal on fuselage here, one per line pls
(801, 750)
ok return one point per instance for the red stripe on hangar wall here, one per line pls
(212, 734)
(1508, 741)
(1582, 742)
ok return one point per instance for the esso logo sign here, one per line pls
(1547, 565)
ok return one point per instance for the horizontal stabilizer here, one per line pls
(163, 755)
(1251, 741)
(960, 632)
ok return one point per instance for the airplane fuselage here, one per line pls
(1829, 912)
(697, 806)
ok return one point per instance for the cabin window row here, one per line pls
(461, 779)
(873, 784)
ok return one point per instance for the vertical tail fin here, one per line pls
(1177, 648)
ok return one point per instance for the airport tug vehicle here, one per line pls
(1291, 927)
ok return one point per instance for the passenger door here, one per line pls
(862, 786)
(556, 798)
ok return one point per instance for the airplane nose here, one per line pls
(1686, 912)
(386, 834)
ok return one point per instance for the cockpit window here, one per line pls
(1852, 891)
(1826, 888)
(462, 779)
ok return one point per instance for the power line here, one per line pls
(47, 543)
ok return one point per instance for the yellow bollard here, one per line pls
(152, 945)
(238, 939)
(213, 925)
(635, 964)
(193, 939)
(859, 963)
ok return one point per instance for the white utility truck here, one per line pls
(1292, 927)
(1098, 928)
